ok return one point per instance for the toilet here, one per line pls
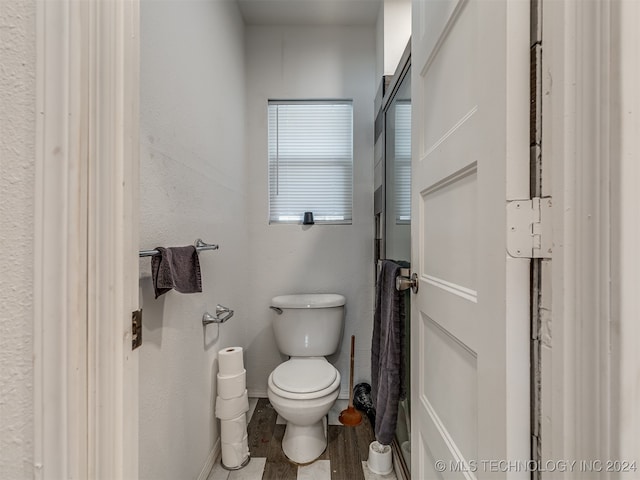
(307, 327)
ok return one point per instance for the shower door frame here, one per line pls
(402, 70)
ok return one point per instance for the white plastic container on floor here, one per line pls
(380, 459)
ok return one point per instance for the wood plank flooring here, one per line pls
(347, 449)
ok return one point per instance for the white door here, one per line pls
(470, 317)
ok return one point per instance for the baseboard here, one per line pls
(256, 393)
(211, 460)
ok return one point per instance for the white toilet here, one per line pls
(302, 390)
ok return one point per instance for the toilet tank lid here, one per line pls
(309, 300)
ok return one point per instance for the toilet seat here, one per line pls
(304, 375)
(304, 378)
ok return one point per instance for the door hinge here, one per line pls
(136, 329)
(529, 228)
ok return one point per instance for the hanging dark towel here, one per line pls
(387, 352)
(176, 268)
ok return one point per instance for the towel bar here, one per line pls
(200, 245)
(405, 272)
(405, 278)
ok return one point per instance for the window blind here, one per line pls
(402, 163)
(310, 161)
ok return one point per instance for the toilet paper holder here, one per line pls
(222, 315)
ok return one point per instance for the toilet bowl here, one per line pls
(303, 388)
(303, 405)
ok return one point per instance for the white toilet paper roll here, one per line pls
(230, 361)
(235, 454)
(233, 430)
(228, 408)
(231, 386)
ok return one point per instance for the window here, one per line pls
(310, 161)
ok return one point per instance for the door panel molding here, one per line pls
(437, 28)
(450, 132)
(455, 289)
(447, 449)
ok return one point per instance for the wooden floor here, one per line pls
(347, 447)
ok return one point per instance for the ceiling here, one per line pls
(309, 12)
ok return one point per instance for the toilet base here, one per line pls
(305, 443)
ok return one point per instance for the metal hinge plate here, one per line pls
(529, 228)
(136, 329)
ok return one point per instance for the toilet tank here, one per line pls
(310, 325)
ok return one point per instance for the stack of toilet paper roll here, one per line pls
(232, 405)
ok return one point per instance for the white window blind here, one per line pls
(310, 161)
(402, 164)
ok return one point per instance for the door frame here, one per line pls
(590, 148)
(80, 195)
(86, 239)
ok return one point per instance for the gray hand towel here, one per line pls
(387, 352)
(176, 268)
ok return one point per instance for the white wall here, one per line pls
(380, 44)
(192, 186)
(17, 178)
(397, 31)
(393, 30)
(294, 63)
